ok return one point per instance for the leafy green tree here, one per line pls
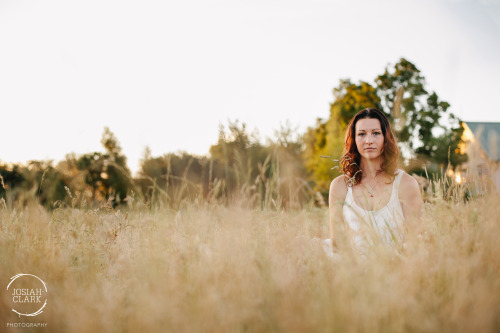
(425, 128)
(114, 152)
(11, 178)
(173, 177)
(93, 168)
(38, 180)
(239, 153)
(106, 174)
(50, 183)
(441, 152)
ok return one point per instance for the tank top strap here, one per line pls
(397, 181)
(349, 198)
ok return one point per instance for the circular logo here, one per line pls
(29, 294)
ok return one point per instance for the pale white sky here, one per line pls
(165, 74)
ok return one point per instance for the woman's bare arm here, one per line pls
(336, 197)
(411, 199)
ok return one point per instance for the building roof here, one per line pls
(488, 135)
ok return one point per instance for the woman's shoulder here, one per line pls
(341, 182)
(408, 185)
(338, 187)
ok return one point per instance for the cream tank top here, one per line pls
(369, 227)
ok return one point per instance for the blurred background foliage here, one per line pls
(286, 171)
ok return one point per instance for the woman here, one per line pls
(372, 199)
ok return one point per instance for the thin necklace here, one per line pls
(370, 188)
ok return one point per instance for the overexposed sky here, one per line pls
(165, 74)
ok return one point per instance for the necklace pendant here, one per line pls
(371, 195)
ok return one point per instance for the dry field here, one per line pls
(226, 268)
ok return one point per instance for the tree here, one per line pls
(37, 180)
(114, 151)
(239, 153)
(173, 177)
(11, 176)
(443, 151)
(107, 173)
(287, 167)
(424, 127)
(49, 181)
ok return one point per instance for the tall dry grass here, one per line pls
(209, 267)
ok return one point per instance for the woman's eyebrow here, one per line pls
(373, 129)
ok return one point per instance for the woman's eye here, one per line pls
(361, 134)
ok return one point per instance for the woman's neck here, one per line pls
(371, 168)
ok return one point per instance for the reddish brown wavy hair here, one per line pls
(351, 159)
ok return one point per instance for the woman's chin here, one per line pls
(371, 155)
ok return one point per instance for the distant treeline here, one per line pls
(239, 167)
(286, 171)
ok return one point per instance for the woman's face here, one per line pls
(369, 138)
